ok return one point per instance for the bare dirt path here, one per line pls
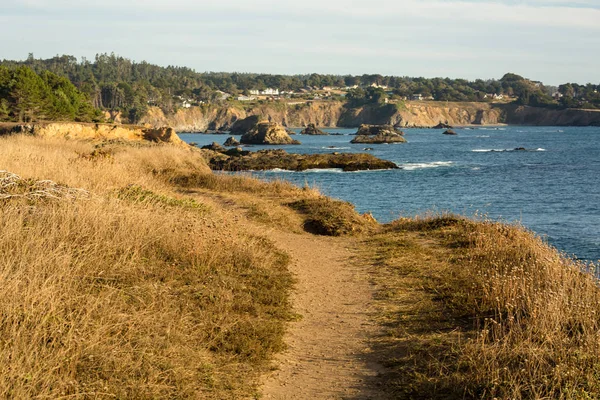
(328, 350)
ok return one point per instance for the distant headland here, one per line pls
(117, 90)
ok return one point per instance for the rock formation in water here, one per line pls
(378, 134)
(267, 133)
(311, 129)
(449, 132)
(214, 146)
(243, 126)
(231, 142)
(272, 159)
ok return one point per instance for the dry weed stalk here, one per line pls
(13, 186)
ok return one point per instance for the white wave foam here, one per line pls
(483, 136)
(487, 150)
(315, 170)
(435, 164)
(320, 170)
(504, 150)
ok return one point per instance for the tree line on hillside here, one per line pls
(117, 83)
(27, 96)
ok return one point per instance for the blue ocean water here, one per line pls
(552, 187)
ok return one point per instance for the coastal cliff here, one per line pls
(335, 114)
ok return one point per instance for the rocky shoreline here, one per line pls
(262, 160)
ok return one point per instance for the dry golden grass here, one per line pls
(484, 310)
(134, 291)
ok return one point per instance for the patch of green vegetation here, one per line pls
(401, 105)
(328, 217)
(138, 194)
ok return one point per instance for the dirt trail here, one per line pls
(327, 354)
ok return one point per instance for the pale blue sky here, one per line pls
(550, 40)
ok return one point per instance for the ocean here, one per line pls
(552, 187)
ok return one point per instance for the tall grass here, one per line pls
(134, 291)
(495, 312)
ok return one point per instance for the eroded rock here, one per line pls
(312, 129)
(267, 133)
(377, 134)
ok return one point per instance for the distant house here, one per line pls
(186, 104)
(375, 85)
(245, 98)
(557, 95)
(351, 87)
(416, 97)
(222, 95)
(254, 92)
(270, 92)
(493, 96)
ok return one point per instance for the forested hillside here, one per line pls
(26, 96)
(111, 82)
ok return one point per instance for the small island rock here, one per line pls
(311, 129)
(377, 134)
(267, 133)
(441, 125)
(231, 142)
(450, 132)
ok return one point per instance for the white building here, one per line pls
(222, 95)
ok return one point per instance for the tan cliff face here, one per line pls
(201, 119)
(335, 114)
(74, 130)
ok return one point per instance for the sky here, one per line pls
(552, 41)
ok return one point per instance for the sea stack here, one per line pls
(267, 133)
(378, 134)
(311, 129)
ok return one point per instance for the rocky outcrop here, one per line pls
(214, 146)
(195, 119)
(272, 159)
(74, 130)
(449, 132)
(312, 129)
(381, 130)
(267, 133)
(524, 115)
(378, 134)
(231, 142)
(441, 125)
(242, 126)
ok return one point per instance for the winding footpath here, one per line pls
(327, 356)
